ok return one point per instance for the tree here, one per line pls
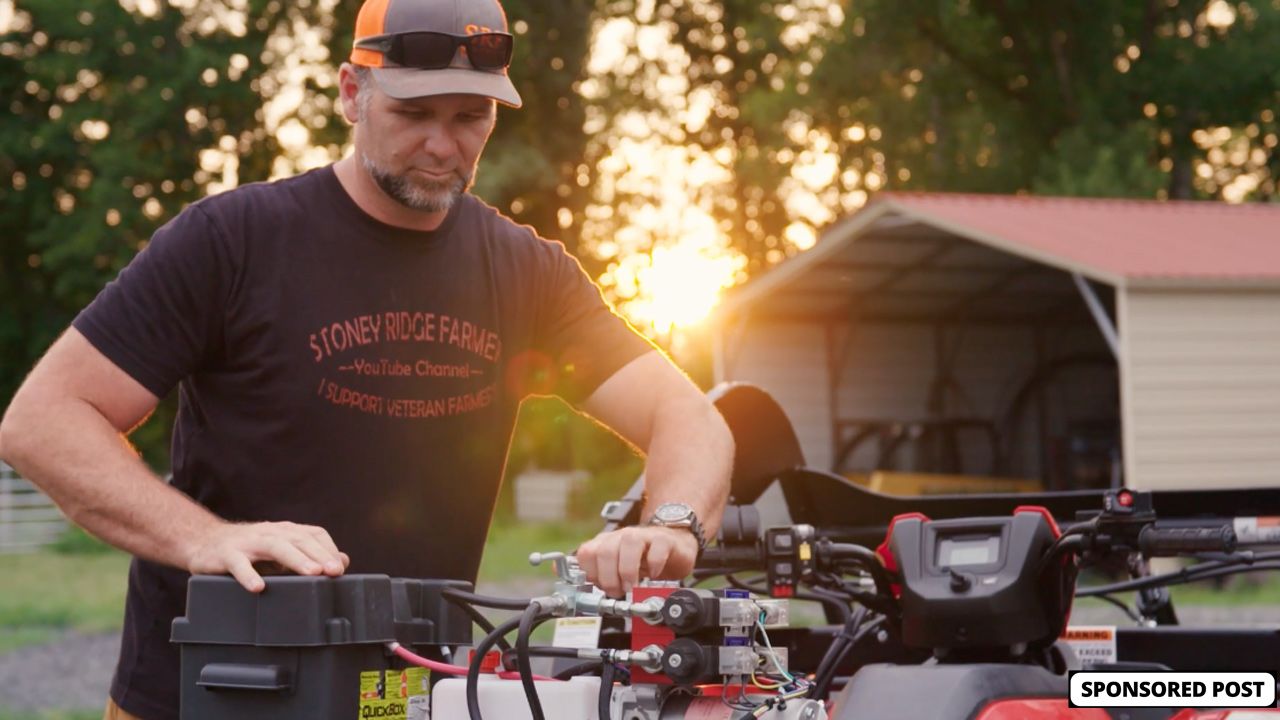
(818, 104)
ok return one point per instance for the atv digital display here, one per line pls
(961, 552)
(975, 583)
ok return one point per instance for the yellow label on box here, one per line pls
(395, 694)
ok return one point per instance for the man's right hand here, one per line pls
(234, 547)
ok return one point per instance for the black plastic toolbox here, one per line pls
(312, 648)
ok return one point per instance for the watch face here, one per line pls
(671, 512)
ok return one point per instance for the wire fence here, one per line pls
(28, 518)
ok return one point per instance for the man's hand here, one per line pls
(615, 561)
(234, 548)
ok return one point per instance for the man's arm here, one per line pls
(65, 432)
(650, 403)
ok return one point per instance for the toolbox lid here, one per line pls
(319, 611)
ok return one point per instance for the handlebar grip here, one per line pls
(1167, 542)
(731, 556)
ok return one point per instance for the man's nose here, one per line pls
(440, 143)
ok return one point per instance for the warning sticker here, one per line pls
(395, 694)
(1092, 643)
(577, 632)
(1257, 530)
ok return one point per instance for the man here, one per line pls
(350, 348)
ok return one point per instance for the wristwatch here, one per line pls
(680, 515)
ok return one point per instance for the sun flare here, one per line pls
(681, 284)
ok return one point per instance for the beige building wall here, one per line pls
(789, 361)
(1200, 374)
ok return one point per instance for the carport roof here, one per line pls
(1121, 238)
(1118, 242)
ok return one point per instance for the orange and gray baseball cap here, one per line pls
(419, 48)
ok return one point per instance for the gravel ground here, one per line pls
(70, 673)
(74, 671)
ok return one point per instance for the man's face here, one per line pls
(423, 152)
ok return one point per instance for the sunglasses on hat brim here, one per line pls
(427, 50)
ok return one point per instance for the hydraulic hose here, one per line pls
(847, 633)
(486, 600)
(531, 616)
(476, 616)
(473, 670)
(866, 559)
(604, 700)
(823, 683)
(582, 668)
(510, 657)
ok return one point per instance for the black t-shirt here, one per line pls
(337, 371)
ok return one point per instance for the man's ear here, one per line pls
(348, 90)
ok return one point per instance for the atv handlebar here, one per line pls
(1167, 542)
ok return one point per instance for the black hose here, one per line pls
(531, 616)
(847, 633)
(473, 670)
(604, 699)
(1071, 540)
(486, 600)
(866, 559)
(582, 668)
(822, 684)
(477, 617)
(510, 657)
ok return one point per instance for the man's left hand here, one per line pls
(615, 561)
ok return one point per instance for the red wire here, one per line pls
(408, 656)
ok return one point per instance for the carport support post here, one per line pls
(1099, 313)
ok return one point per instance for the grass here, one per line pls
(506, 552)
(1241, 591)
(47, 592)
(54, 715)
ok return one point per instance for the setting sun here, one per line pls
(679, 285)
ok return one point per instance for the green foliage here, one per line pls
(1098, 99)
(506, 551)
(551, 435)
(1019, 95)
(1080, 166)
(108, 111)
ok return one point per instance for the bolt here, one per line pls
(675, 611)
(882, 636)
(675, 661)
(810, 711)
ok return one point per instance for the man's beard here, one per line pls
(422, 195)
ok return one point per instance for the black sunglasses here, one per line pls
(428, 50)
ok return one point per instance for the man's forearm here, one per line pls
(690, 460)
(70, 451)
